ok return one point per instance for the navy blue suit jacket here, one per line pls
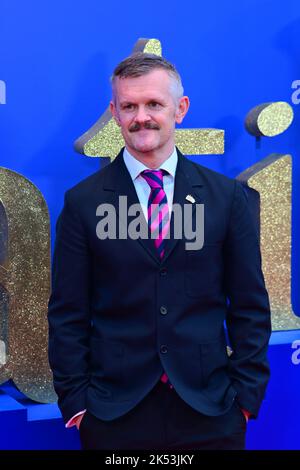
(109, 339)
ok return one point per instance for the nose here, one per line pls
(141, 115)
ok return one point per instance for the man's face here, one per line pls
(146, 109)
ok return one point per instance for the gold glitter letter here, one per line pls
(272, 178)
(24, 287)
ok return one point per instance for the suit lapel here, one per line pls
(188, 182)
(118, 183)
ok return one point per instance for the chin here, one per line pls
(146, 147)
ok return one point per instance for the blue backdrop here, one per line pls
(56, 60)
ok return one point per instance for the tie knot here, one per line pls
(154, 178)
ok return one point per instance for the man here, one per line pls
(137, 339)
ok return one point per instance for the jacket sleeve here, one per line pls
(69, 312)
(248, 318)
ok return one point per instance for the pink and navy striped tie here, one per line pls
(158, 209)
(158, 218)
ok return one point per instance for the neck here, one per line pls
(153, 159)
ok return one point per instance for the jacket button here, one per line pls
(163, 349)
(163, 310)
(163, 271)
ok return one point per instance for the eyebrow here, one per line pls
(151, 100)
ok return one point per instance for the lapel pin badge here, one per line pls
(190, 198)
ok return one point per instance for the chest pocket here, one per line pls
(204, 271)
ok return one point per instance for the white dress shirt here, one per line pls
(135, 167)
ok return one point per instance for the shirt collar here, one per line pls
(135, 167)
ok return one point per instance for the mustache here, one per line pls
(135, 127)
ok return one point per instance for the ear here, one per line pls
(114, 112)
(182, 109)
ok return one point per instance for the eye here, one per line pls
(153, 104)
(128, 107)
